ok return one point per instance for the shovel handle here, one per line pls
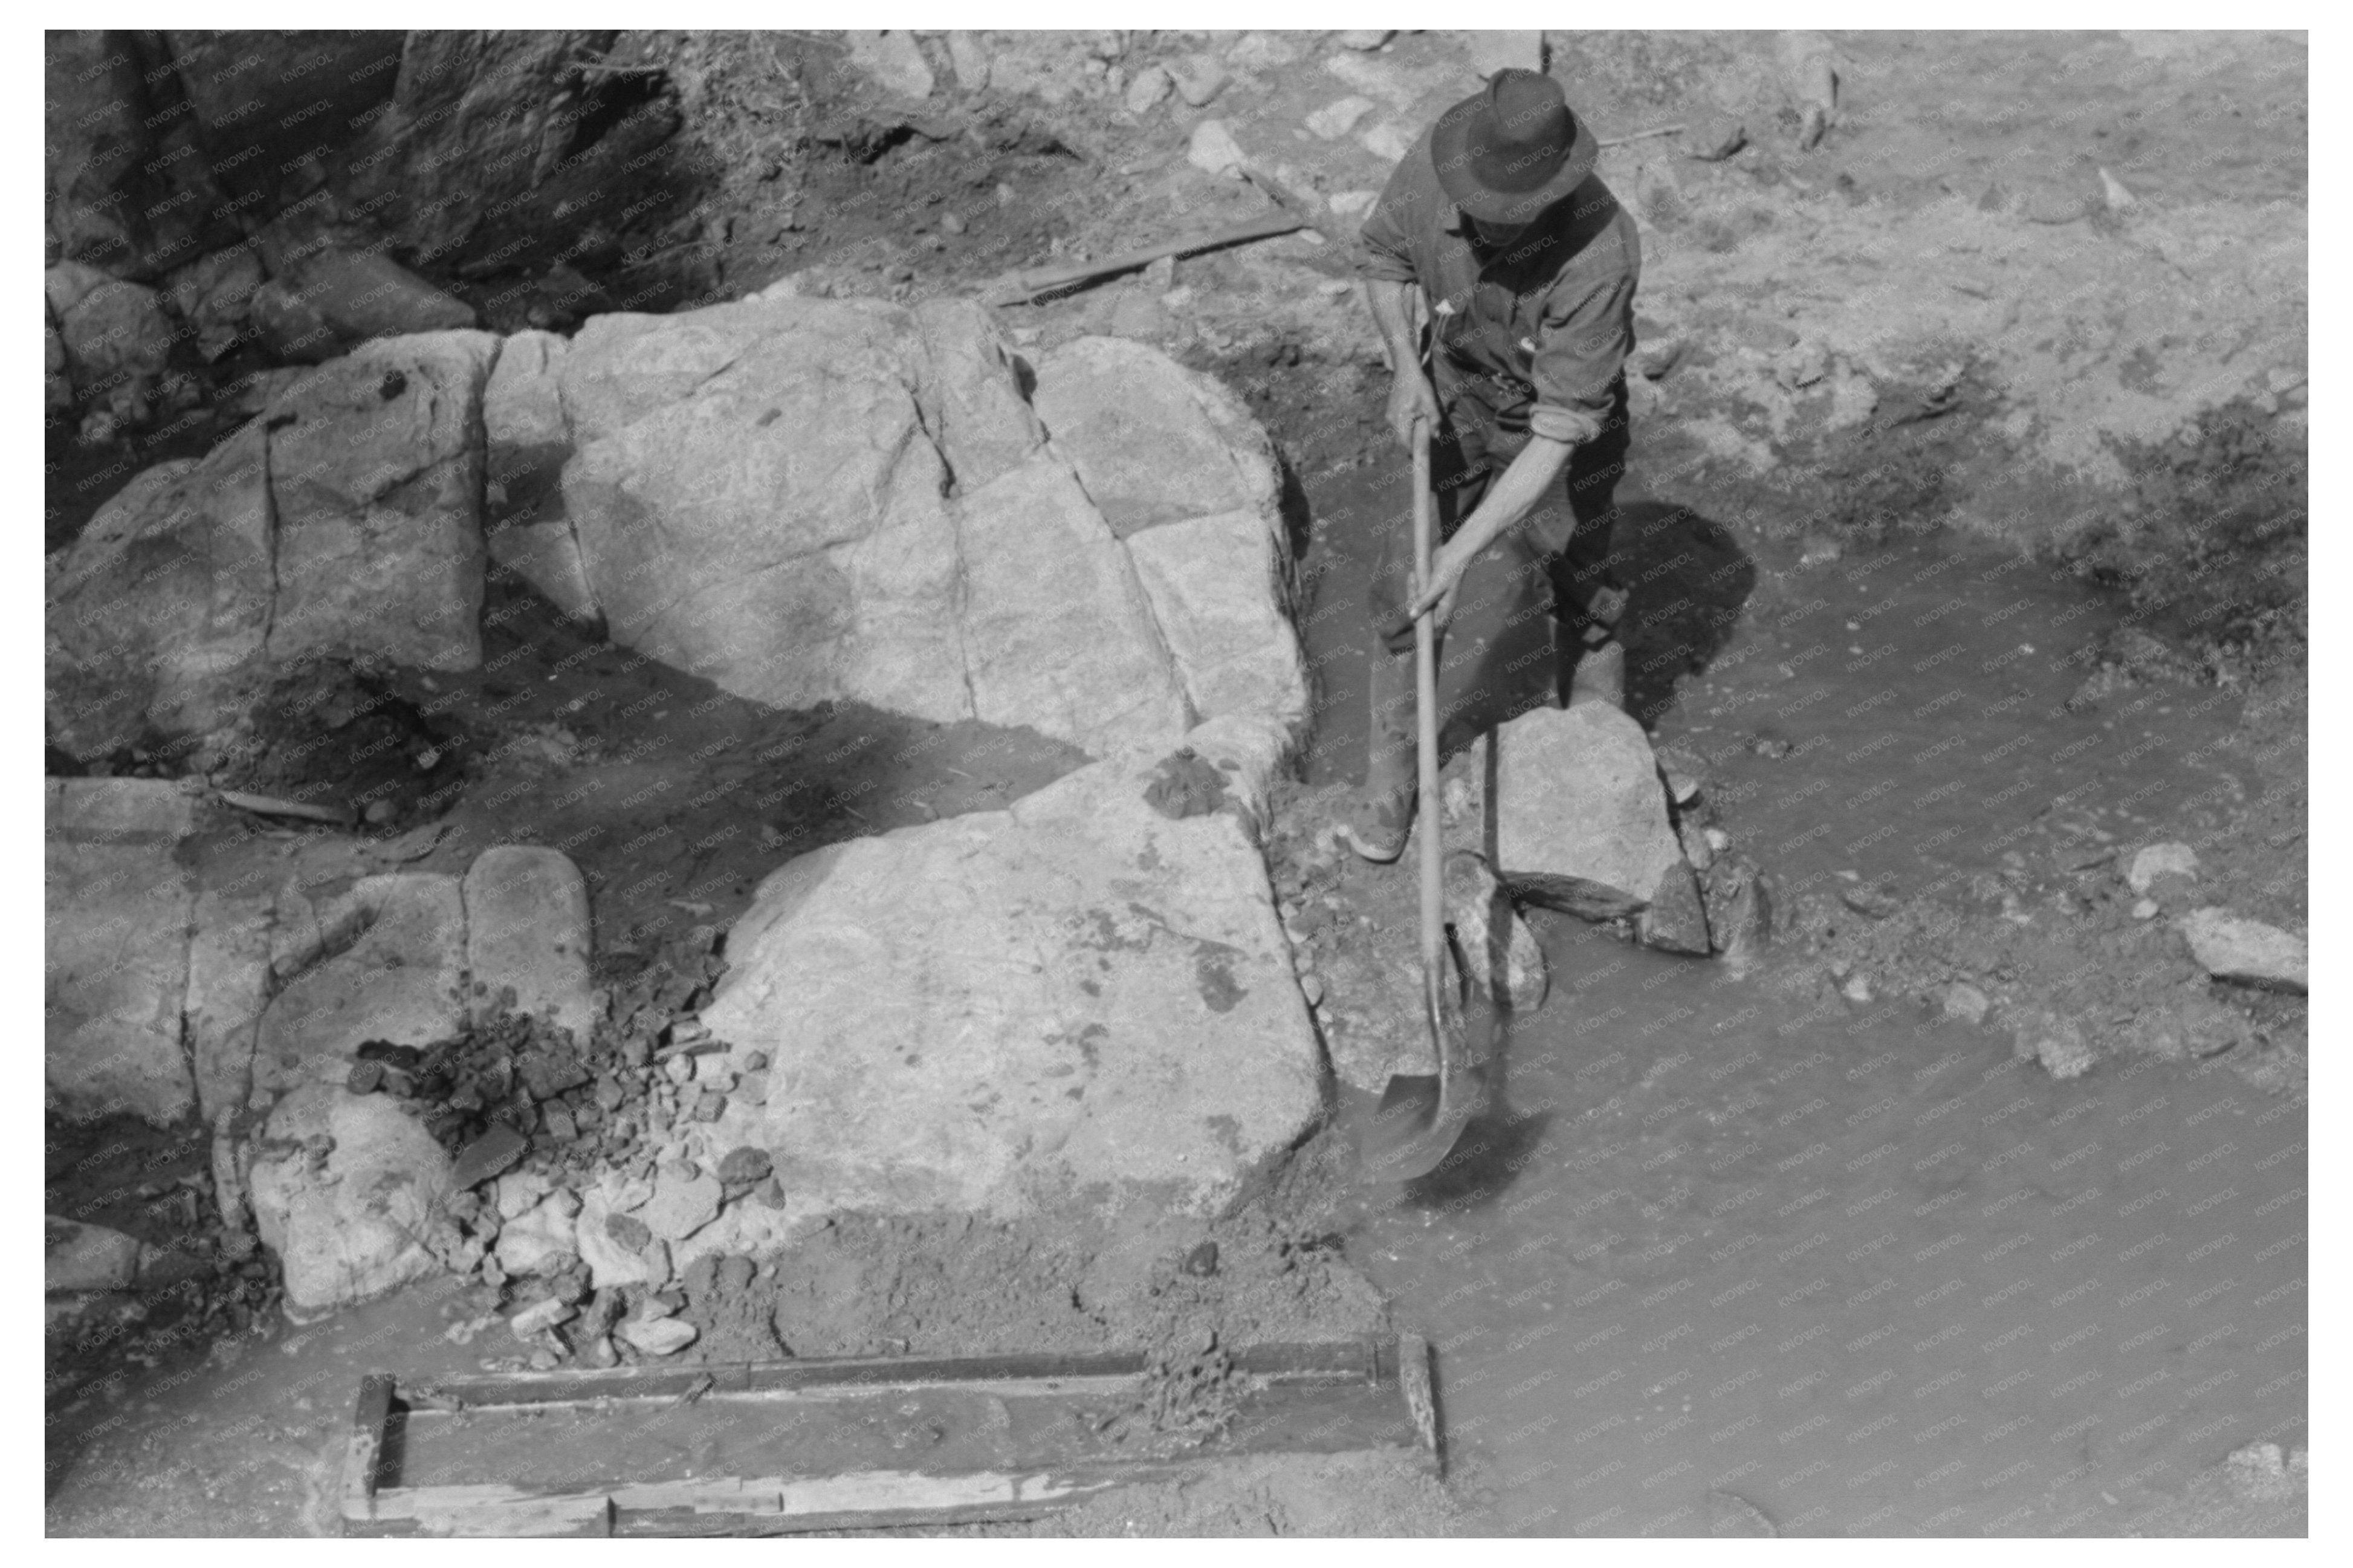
(1425, 716)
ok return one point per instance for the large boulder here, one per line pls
(350, 1225)
(810, 499)
(346, 521)
(119, 910)
(376, 480)
(1086, 1002)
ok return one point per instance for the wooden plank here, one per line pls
(363, 1452)
(491, 1510)
(1420, 1401)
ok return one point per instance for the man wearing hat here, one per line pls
(1521, 267)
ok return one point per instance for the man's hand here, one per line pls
(1409, 394)
(1447, 565)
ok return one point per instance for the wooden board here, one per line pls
(774, 1447)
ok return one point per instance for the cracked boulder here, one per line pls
(1090, 1003)
(808, 500)
(346, 521)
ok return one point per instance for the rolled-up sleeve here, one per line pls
(1384, 249)
(1581, 350)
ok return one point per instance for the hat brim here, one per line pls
(1450, 151)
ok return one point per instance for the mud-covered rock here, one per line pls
(400, 981)
(1504, 961)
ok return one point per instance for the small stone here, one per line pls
(1151, 87)
(744, 1164)
(560, 1125)
(1962, 1002)
(770, 1194)
(365, 1078)
(752, 1088)
(487, 1155)
(681, 1205)
(1857, 989)
(600, 1352)
(2153, 861)
(754, 1061)
(1311, 987)
(951, 223)
(679, 1069)
(711, 1107)
(379, 811)
(1202, 1261)
(539, 1317)
(627, 1232)
(661, 1337)
(2040, 1036)
(1213, 149)
(2232, 948)
(1389, 142)
(1198, 78)
(1364, 39)
(1352, 204)
(1336, 119)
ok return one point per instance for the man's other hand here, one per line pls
(1409, 394)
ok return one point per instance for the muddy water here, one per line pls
(1736, 1250)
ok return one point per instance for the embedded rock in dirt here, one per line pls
(2151, 862)
(807, 500)
(606, 1247)
(1581, 815)
(115, 978)
(399, 980)
(375, 475)
(1088, 999)
(334, 299)
(2039, 1034)
(527, 927)
(355, 1227)
(75, 1257)
(2232, 948)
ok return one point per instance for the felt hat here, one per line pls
(1507, 152)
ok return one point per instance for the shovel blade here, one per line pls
(1415, 1128)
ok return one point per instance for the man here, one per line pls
(1495, 231)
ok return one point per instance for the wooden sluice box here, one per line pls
(776, 1447)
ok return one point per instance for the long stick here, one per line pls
(1023, 286)
(1425, 716)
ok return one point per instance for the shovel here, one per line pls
(1423, 1115)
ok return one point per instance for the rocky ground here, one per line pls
(2074, 328)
